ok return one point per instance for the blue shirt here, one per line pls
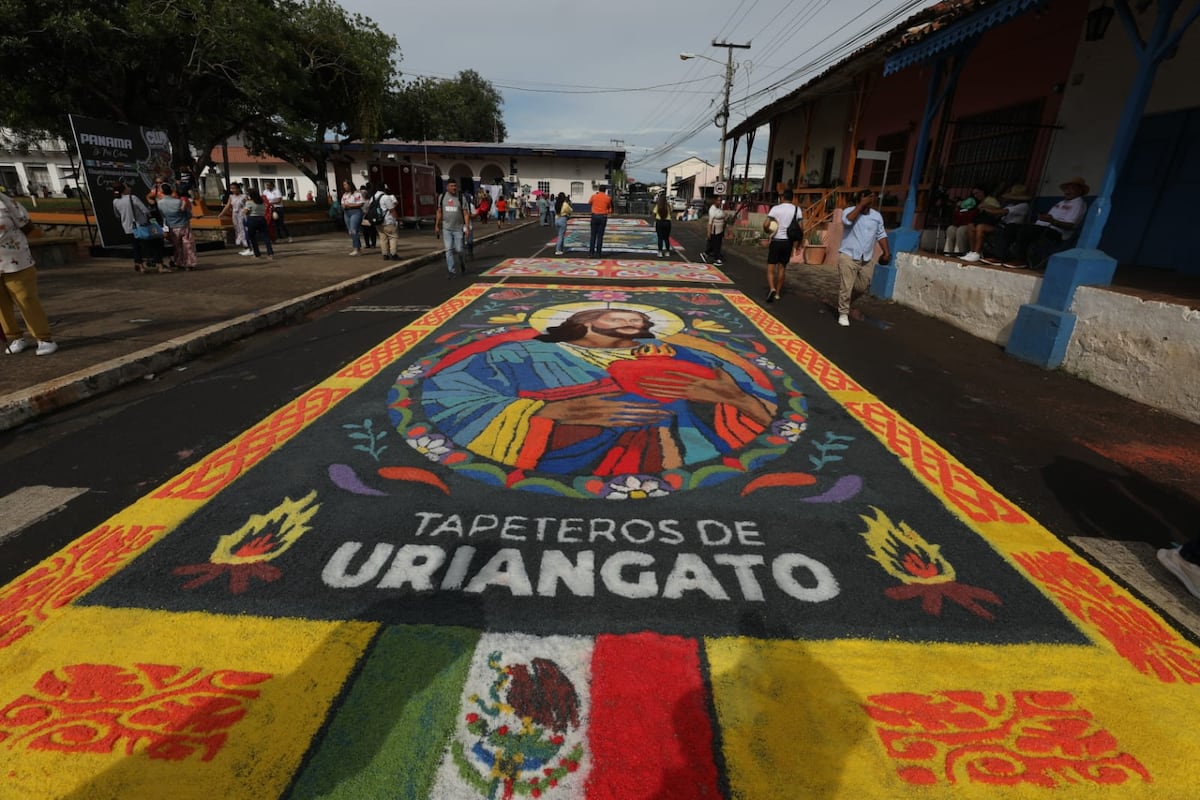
(859, 237)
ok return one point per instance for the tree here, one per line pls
(465, 108)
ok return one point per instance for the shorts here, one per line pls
(779, 251)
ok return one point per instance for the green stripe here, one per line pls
(388, 735)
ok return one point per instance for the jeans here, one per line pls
(715, 242)
(149, 249)
(353, 217)
(453, 241)
(663, 228)
(561, 224)
(596, 244)
(255, 227)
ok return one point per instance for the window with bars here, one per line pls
(544, 186)
(998, 148)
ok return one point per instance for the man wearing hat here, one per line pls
(1051, 231)
(1014, 211)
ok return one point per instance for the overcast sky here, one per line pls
(589, 73)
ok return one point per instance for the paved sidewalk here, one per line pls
(115, 326)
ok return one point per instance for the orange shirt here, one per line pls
(601, 203)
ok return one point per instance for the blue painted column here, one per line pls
(1043, 330)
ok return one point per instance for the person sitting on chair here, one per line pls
(957, 242)
(1034, 244)
(1015, 211)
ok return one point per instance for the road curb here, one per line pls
(21, 407)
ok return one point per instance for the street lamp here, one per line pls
(722, 117)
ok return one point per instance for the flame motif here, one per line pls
(266, 536)
(654, 350)
(903, 553)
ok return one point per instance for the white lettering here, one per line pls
(667, 526)
(689, 574)
(646, 584)
(415, 564)
(748, 533)
(783, 566)
(742, 567)
(579, 577)
(456, 573)
(426, 518)
(507, 569)
(453, 524)
(542, 522)
(484, 523)
(569, 525)
(703, 525)
(602, 528)
(512, 524)
(627, 529)
(335, 575)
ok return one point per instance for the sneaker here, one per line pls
(718, 263)
(704, 257)
(289, 240)
(559, 253)
(46, 348)
(1187, 572)
(844, 320)
(990, 261)
(354, 252)
(971, 257)
(772, 296)
(246, 252)
(1017, 266)
(16, 346)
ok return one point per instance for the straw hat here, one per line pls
(1077, 181)
(1018, 192)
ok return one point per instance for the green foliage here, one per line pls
(466, 108)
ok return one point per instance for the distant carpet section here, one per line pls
(607, 269)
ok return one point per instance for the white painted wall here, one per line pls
(684, 169)
(1095, 93)
(1144, 350)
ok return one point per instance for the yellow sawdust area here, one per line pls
(268, 721)
(794, 722)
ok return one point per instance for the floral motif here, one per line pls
(608, 296)
(766, 363)
(789, 429)
(415, 371)
(709, 325)
(635, 487)
(432, 446)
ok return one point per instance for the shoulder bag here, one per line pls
(795, 231)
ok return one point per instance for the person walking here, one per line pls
(601, 207)
(18, 283)
(453, 222)
(177, 219)
(862, 229)
(370, 235)
(389, 227)
(133, 214)
(716, 233)
(562, 213)
(274, 197)
(352, 212)
(662, 225)
(779, 249)
(501, 211)
(255, 209)
(542, 205)
(233, 207)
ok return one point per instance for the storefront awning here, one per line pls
(957, 32)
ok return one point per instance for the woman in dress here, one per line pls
(233, 206)
(352, 212)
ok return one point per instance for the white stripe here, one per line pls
(573, 656)
(388, 309)
(32, 504)
(1129, 561)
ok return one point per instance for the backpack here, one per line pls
(795, 231)
(375, 213)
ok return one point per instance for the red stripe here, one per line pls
(650, 734)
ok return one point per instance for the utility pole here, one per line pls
(724, 113)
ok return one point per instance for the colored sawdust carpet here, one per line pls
(576, 542)
(621, 235)
(609, 269)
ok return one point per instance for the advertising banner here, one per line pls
(113, 153)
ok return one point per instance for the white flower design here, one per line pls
(415, 371)
(432, 447)
(635, 487)
(766, 363)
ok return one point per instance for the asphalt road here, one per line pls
(1087, 464)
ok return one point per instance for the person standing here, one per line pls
(233, 207)
(453, 222)
(716, 232)
(779, 249)
(389, 228)
(177, 218)
(275, 198)
(862, 229)
(501, 211)
(601, 207)
(18, 283)
(352, 213)
(370, 235)
(542, 204)
(133, 213)
(562, 213)
(662, 225)
(255, 209)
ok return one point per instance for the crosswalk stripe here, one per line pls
(30, 504)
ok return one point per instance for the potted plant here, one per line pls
(814, 247)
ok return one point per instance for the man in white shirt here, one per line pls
(716, 233)
(275, 198)
(389, 231)
(779, 250)
(1036, 242)
(862, 229)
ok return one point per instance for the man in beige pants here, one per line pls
(862, 229)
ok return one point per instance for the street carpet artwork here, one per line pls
(568, 542)
(611, 269)
(621, 235)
